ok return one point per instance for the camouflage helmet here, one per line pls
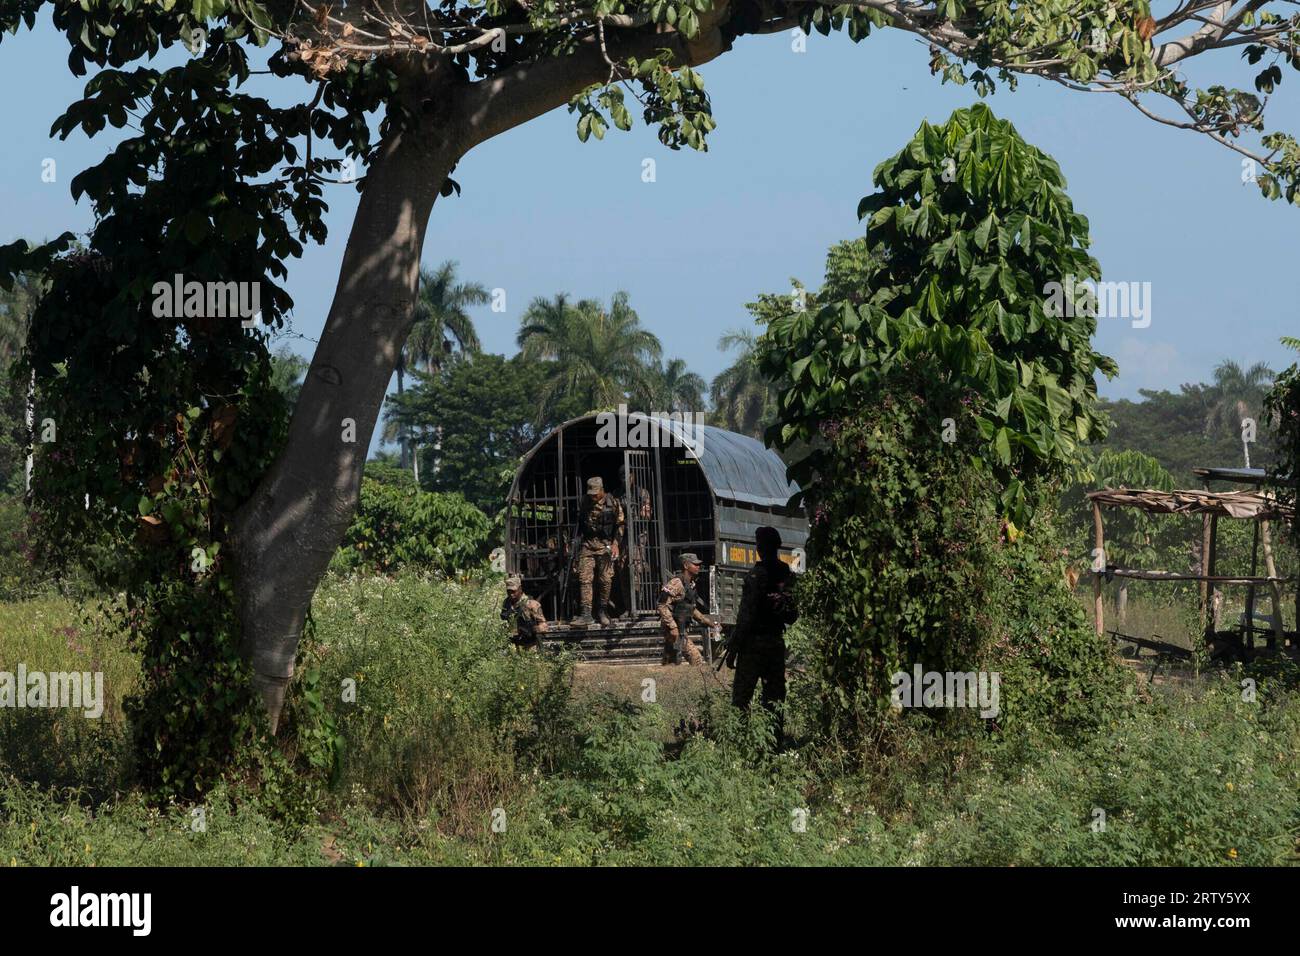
(514, 583)
(595, 485)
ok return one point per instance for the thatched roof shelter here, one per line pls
(1224, 504)
(1257, 505)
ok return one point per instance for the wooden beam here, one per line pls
(1204, 578)
(1153, 643)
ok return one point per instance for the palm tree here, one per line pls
(742, 397)
(673, 387)
(1236, 392)
(597, 356)
(16, 308)
(441, 316)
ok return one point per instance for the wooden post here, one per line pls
(1270, 568)
(1250, 591)
(1216, 607)
(1205, 569)
(1098, 556)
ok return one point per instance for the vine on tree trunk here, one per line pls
(156, 414)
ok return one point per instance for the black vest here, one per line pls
(601, 524)
(684, 606)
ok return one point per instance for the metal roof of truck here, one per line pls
(738, 468)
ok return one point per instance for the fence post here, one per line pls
(1099, 554)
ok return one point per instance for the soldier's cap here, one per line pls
(594, 485)
(514, 582)
(767, 535)
(689, 557)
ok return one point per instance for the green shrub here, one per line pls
(397, 527)
(1187, 780)
(902, 550)
(1181, 782)
(910, 565)
(1056, 672)
(451, 729)
(446, 713)
(40, 828)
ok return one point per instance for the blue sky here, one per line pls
(798, 135)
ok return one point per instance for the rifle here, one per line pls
(729, 647)
(575, 538)
(713, 631)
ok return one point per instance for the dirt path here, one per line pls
(676, 687)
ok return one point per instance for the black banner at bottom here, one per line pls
(338, 906)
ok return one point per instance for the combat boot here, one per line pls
(601, 617)
(584, 618)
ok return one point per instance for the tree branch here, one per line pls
(505, 100)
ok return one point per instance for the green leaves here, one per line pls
(1002, 446)
(675, 102)
(591, 122)
(957, 272)
(401, 527)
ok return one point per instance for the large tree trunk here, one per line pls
(284, 536)
(287, 532)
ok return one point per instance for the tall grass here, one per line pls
(448, 717)
(461, 750)
(64, 748)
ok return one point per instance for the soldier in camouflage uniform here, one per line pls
(526, 613)
(677, 609)
(601, 524)
(756, 647)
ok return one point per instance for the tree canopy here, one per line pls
(596, 356)
(968, 228)
(485, 410)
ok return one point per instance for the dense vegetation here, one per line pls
(450, 731)
(934, 408)
(936, 393)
